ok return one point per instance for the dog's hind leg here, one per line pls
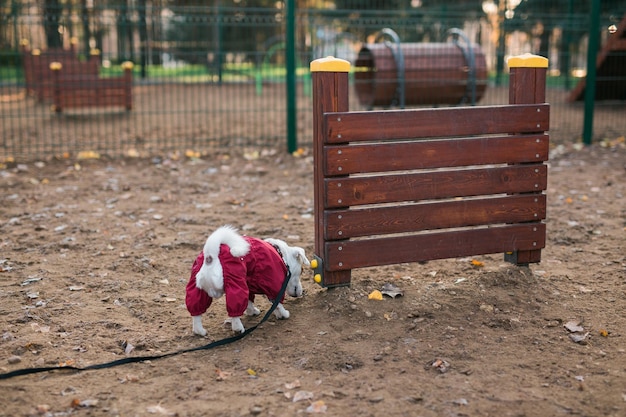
(252, 310)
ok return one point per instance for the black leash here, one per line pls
(134, 359)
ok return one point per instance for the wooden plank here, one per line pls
(344, 224)
(377, 157)
(90, 91)
(379, 189)
(430, 123)
(440, 245)
(92, 84)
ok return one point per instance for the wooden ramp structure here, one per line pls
(397, 186)
(610, 69)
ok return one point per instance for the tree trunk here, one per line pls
(123, 28)
(86, 31)
(52, 11)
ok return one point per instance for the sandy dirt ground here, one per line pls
(95, 255)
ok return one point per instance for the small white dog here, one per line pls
(241, 267)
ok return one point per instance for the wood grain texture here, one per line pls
(438, 245)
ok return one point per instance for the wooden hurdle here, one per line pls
(78, 90)
(400, 186)
(36, 64)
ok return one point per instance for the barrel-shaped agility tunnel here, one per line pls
(434, 73)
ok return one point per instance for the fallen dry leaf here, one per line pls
(87, 155)
(574, 326)
(128, 347)
(375, 295)
(292, 385)
(130, 378)
(302, 395)
(440, 365)
(39, 329)
(317, 407)
(579, 337)
(192, 154)
(221, 375)
(88, 403)
(158, 409)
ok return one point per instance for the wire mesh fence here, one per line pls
(213, 76)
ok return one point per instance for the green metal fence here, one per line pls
(231, 74)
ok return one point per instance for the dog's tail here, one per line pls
(228, 236)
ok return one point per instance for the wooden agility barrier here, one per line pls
(400, 186)
(78, 90)
(36, 64)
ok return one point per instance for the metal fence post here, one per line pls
(291, 87)
(590, 84)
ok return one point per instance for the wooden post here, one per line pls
(73, 45)
(95, 55)
(38, 74)
(330, 94)
(27, 64)
(527, 85)
(56, 67)
(128, 84)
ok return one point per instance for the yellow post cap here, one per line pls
(527, 61)
(55, 66)
(330, 64)
(127, 65)
(94, 52)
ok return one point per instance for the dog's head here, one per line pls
(294, 257)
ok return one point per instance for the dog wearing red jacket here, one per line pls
(241, 267)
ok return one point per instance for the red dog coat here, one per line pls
(261, 271)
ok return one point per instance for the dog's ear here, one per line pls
(299, 254)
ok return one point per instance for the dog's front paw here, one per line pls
(237, 325)
(197, 326)
(281, 312)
